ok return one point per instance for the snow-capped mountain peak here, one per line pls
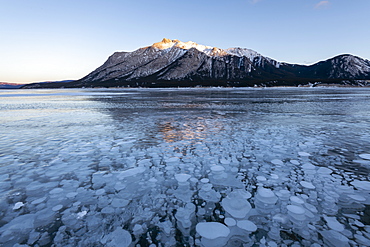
(168, 43)
(208, 50)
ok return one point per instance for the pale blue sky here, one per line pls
(66, 39)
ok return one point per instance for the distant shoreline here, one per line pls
(205, 87)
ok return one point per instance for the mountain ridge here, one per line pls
(171, 63)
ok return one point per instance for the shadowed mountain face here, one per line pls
(172, 63)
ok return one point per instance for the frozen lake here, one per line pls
(186, 167)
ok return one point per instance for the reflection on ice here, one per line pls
(223, 172)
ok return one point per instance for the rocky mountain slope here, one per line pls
(172, 63)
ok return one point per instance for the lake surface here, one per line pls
(98, 167)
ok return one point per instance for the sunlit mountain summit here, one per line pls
(209, 50)
(173, 63)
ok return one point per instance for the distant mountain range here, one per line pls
(172, 63)
(47, 84)
(6, 85)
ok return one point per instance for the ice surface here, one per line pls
(69, 195)
(357, 198)
(131, 172)
(307, 185)
(358, 223)
(17, 230)
(236, 205)
(361, 239)
(149, 167)
(324, 170)
(247, 225)
(266, 196)
(118, 237)
(277, 162)
(40, 200)
(212, 230)
(334, 224)
(304, 154)
(295, 200)
(362, 185)
(294, 162)
(365, 156)
(296, 209)
(81, 214)
(217, 168)
(308, 166)
(230, 221)
(57, 207)
(261, 178)
(18, 205)
(334, 238)
(208, 194)
(181, 178)
(56, 191)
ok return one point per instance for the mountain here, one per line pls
(172, 63)
(7, 85)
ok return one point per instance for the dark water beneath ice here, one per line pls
(63, 138)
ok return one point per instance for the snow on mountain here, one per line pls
(348, 65)
(209, 50)
(243, 52)
(167, 43)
